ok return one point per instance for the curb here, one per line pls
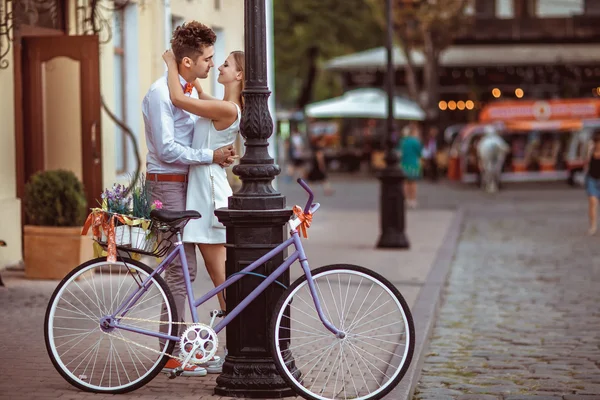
(427, 306)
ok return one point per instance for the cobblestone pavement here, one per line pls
(521, 313)
(520, 318)
(345, 230)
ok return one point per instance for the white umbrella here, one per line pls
(364, 103)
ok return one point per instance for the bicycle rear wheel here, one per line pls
(108, 361)
(376, 351)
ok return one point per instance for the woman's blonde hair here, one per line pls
(240, 63)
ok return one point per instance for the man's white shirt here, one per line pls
(169, 132)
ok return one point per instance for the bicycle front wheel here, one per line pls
(379, 338)
(96, 359)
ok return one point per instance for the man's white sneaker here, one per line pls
(214, 366)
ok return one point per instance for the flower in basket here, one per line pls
(157, 205)
(142, 236)
(116, 200)
(141, 200)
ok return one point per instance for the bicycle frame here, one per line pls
(298, 254)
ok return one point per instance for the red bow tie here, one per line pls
(188, 88)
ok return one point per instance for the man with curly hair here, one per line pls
(169, 133)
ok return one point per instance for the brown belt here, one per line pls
(166, 177)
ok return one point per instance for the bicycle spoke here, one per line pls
(85, 355)
(381, 340)
(91, 318)
(322, 367)
(313, 352)
(307, 314)
(334, 302)
(304, 344)
(301, 331)
(379, 327)
(323, 303)
(351, 377)
(117, 299)
(361, 305)
(93, 279)
(379, 349)
(331, 371)
(82, 303)
(368, 312)
(72, 347)
(302, 323)
(343, 324)
(371, 364)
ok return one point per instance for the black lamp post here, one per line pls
(255, 221)
(393, 233)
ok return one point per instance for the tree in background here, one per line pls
(310, 32)
(427, 27)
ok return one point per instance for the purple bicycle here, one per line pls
(338, 332)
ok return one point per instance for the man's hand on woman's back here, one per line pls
(224, 156)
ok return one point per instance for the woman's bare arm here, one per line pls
(202, 95)
(217, 110)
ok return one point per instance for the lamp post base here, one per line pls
(393, 235)
(249, 370)
(253, 378)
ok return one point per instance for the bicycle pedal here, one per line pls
(171, 375)
(218, 313)
(214, 315)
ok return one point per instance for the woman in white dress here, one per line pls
(208, 187)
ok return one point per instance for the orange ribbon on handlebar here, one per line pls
(305, 219)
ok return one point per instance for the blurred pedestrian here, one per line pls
(592, 180)
(430, 153)
(296, 156)
(318, 167)
(491, 153)
(411, 150)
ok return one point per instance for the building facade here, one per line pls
(512, 49)
(73, 77)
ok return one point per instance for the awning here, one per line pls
(476, 56)
(364, 103)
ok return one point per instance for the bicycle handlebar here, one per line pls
(311, 195)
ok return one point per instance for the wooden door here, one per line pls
(61, 108)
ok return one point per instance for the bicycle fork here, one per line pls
(313, 290)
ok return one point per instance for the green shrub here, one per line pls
(55, 198)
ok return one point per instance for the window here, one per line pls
(49, 14)
(525, 8)
(120, 110)
(592, 7)
(176, 21)
(559, 9)
(485, 8)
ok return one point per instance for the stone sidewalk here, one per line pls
(521, 315)
(339, 235)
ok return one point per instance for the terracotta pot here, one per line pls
(52, 252)
(519, 166)
(546, 165)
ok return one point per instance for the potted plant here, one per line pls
(55, 207)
